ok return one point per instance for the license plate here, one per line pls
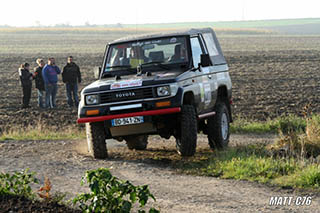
(127, 121)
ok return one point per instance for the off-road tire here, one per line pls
(137, 142)
(186, 142)
(96, 140)
(219, 127)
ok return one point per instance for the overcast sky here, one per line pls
(76, 12)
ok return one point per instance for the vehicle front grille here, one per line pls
(126, 95)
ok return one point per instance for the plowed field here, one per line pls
(272, 75)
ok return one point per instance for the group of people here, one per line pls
(46, 79)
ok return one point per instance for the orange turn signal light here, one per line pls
(163, 104)
(92, 112)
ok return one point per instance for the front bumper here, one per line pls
(133, 114)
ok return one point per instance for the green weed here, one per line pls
(18, 183)
(109, 194)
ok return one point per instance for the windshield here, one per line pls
(168, 51)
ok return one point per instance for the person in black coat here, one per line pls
(26, 83)
(39, 82)
(71, 76)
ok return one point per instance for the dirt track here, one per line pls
(64, 162)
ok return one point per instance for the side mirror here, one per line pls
(205, 60)
(97, 71)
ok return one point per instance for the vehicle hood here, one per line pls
(132, 81)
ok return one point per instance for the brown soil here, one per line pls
(15, 204)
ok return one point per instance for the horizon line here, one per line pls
(161, 23)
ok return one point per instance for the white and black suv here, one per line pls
(170, 84)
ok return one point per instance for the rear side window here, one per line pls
(211, 46)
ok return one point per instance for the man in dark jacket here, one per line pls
(26, 83)
(39, 82)
(71, 76)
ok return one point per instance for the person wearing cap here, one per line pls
(50, 77)
(26, 83)
(39, 82)
(71, 76)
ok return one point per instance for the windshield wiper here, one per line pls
(158, 63)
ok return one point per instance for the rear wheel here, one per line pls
(186, 141)
(96, 140)
(219, 127)
(137, 142)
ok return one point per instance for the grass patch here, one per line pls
(298, 140)
(245, 126)
(303, 177)
(282, 123)
(41, 132)
(254, 163)
(292, 161)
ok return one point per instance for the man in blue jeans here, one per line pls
(50, 77)
(71, 76)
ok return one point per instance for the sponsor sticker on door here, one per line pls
(207, 94)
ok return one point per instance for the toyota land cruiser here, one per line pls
(170, 84)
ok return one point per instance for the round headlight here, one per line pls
(163, 91)
(92, 99)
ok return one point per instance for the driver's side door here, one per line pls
(203, 75)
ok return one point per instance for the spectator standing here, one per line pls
(71, 76)
(39, 82)
(26, 83)
(50, 77)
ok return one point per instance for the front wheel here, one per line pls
(219, 127)
(186, 141)
(96, 140)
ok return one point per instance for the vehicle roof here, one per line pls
(162, 34)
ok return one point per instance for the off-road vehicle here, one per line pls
(170, 84)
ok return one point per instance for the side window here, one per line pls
(210, 44)
(196, 50)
